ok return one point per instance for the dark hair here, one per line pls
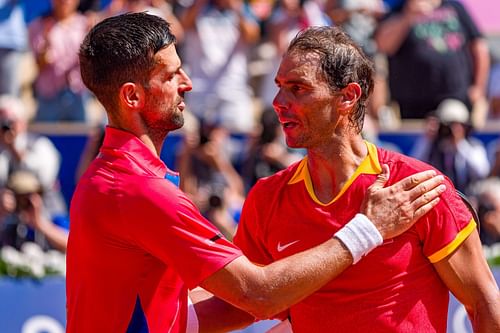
(121, 49)
(341, 62)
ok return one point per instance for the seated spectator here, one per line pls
(494, 93)
(435, 51)
(268, 153)
(487, 195)
(218, 38)
(209, 177)
(23, 217)
(449, 146)
(55, 40)
(13, 44)
(287, 19)
(21, 149)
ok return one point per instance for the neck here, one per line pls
(330, 167)
(152, 139)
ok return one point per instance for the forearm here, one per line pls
(392, 32)
(56, 236)
(481, 63)
(266, 291)
(188, 19)
(486, 317)
(215, 315)
(249, 30)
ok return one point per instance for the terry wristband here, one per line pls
(192, 318)
(359, 236)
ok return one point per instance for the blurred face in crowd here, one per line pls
(64, 8)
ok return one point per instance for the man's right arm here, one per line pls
(264, 291)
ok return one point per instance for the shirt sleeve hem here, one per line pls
(448, 249)
(197, 282)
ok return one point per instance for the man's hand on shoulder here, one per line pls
(394, 209)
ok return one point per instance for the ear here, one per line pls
(132, 95)
(349, 97)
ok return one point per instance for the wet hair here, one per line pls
(121, 49)
(341, 62)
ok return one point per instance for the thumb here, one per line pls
(382, 178)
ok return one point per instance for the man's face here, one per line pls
(165, 92)
(305, 102)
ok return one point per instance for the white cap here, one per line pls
(452, 111)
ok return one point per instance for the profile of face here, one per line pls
(164, 92)
(304, 102)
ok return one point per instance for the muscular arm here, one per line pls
(266, 291)
(467, 275)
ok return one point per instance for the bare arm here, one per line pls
(391, 33)
(481, 68)
(250, 30)
(188, 18)
(469, 278)
(266, 291)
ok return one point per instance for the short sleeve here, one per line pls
(445, 228)
(250, 235)
(168, 225)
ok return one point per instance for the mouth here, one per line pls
(288, 124)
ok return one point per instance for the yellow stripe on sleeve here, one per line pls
(461, 236)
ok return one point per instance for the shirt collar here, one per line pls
(127, 143)
(370, 166)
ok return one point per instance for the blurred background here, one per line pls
(437, 98)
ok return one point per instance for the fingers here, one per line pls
(410, 182)
(381, 178)
(428, 189)
(424, 209)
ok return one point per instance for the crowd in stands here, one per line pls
(431, 60)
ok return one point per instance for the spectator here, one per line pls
(23, 217)
(55, 40)
(359, 19)
(494, 92)
(23, 150)
(218, 37)
(487, 196)
(162, 9)
(450, 147)
(209, 177)
(288, 18)
(268, 153)
(435, 52)
(13, 44)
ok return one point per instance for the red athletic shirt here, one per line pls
(136, 241)
(395, 287)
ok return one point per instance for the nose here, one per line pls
(279, 101)
(185, 83)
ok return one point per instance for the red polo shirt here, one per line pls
(136, 241)
(395, 288)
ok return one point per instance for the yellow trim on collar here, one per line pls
(370, 165)
(459, 239)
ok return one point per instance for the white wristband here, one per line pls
(192, 318)
(359, 236)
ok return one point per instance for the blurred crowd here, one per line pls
(432, 64)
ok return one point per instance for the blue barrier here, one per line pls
(29, 306)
